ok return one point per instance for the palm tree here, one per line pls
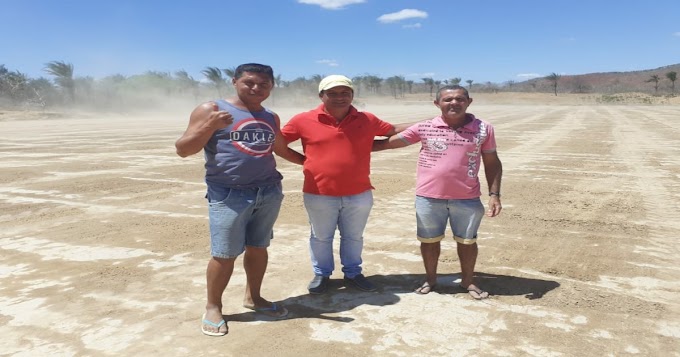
(358, 81)
(469, 82)
(315, 80)
(277, 84)
(554, 78)
(455, 81)
(409, 84)
(437, 84)
(654, 78)
(430, 83)
(402, 85)
(214, 75)
(229, 72)
(187, 82)
(64, 77)
(672, 76)
(374, 82)
(396, 84)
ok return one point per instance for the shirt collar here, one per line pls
(439, 122)
(322, 112)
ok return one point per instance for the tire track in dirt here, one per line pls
(649, 150)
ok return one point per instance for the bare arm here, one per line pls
(281, 147)
(393, 142)
(398, 128)
(493, 170)
(203, 122)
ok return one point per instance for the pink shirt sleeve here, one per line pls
(411, 135)
(489, 144)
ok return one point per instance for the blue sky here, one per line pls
(484, 40)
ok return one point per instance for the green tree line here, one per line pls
(62, 86)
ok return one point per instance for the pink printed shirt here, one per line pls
(449, 160)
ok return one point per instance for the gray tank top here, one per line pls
(241, 155)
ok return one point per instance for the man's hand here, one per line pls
(494, 206)
(219, 119)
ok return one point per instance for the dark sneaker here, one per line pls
(318, 285)
(360, 282)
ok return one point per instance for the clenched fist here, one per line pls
(219, 119)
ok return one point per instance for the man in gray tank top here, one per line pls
(238, 136)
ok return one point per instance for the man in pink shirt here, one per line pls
(454, 145)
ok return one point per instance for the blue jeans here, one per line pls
(348, 214)
(241, 217)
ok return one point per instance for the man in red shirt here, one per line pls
(337, 141)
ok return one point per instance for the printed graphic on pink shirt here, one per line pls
(449, 161)
(473, 157)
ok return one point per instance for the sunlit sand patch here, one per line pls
(42, 283)
(41, 347)
(401, 257)
(601, 334)
(113, 335)
(559, 325)
(534, 350)
(174, 261)
(32, 313)
(164, 180)
(128, 303)
(533, 311)
(655, 266)
(326, 332)
(112, 198)
(50, 250)
(669, 328)
(579, 320)
(8, 164)
(15, 270)
(658, 252)
(498, 325)
(50, 193)
(99, 208)
(645, 288)
(461, 318)
(632, 349)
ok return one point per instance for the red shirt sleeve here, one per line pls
(290, 130)
(380, 127)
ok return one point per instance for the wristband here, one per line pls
(497, 194)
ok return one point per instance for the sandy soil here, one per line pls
(103, 244)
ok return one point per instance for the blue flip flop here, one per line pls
(271, 311)
(215, 325)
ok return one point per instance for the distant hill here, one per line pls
(608, 82)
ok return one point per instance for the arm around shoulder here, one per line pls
(393, 142)
(398, 128)
(281, 148)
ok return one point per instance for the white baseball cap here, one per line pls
(335, 80)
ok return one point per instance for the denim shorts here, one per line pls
(241, 217)
(464, 216)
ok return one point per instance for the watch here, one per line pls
(497, 194)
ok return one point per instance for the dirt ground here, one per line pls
(104, 243)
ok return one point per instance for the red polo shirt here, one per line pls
(338, 155)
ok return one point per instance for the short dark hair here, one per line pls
(451, 87)
(255, 68)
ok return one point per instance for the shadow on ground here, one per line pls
(339, 298)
